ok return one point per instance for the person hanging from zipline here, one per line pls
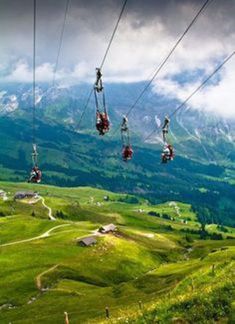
(102, 122)
(36, 174)
(102, 118)
(127, 151)
(168, 151)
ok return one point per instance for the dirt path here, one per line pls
(34, 201)
(39, 277)
(96, 233)
(51, 217)
(44, 235)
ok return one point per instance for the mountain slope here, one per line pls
(70, 159)
(157, 257)
(199, 135)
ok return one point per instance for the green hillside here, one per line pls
(159, 263)
(77, 159)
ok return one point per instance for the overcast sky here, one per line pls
(146, 33)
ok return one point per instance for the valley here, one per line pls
(154, 265)
(67, 159)
(117, 162)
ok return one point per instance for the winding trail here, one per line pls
(34, 201)
(44, 235)
(39, 277)
(48, 208)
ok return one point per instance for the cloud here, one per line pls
(22, 73)
(216, 97)
(146, 33)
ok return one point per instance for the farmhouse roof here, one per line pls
(88, 240)
(25, 194)
(108, 228)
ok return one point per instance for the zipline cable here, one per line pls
(61, 41)
(85, 108)
(104, 59)
(113, 34)
(194, 92)
(34, 71)
(159, 68)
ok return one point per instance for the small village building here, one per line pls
(2, 193)
(87, 241)
(107, 229)
(25, 194)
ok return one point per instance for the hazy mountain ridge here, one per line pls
(203, 171)
(70, 159)
(65, 105)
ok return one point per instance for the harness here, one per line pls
(127, 151)
(102, 119)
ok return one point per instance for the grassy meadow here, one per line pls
(156, 268)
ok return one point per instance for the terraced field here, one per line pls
(154, 268)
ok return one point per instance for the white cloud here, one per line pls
(141, 43)
(216, 97)
(22, 73)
